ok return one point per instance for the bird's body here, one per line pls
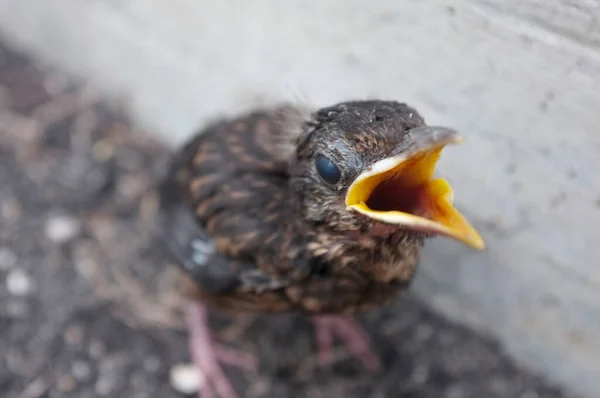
(256, 209)
(265, 257)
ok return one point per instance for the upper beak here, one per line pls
(401, 189)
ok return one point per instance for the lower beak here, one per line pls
(401, 190)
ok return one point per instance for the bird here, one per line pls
(319, 211)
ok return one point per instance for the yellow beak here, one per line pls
(401, 189)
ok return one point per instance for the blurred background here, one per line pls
(94, 94)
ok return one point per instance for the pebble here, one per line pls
(66, 383)
(61, 229)
(18, 282)
(81, 370)
(37, 388)
(11, 210)
(102, 151)
(7, 259)
(131, 186)
(185, 378)
(104, 386)
(74, 335)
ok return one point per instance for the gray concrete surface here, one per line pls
(520, 79)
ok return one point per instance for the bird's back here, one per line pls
(224, 205)
(233, 177)
(229, 220)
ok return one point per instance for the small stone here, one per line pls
(18, 282)
(73, 335)
(102, 151)
(11, 210)
(260, 387)
(104, 386)
(61, 229)
(185, 378)
(37, 388)
(7, 259)
(66, 383)
(131, 186)
(81, 370)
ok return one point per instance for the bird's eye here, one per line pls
(328, 171)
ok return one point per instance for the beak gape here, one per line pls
(401, 190)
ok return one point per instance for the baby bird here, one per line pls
(321, 212)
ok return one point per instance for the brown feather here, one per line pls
(252, 186)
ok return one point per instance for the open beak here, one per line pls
(401, 189)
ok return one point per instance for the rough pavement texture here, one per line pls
(84, 314)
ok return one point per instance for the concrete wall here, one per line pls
(520, 79)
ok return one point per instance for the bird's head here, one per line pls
(368, 167)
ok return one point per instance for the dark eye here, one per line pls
(328, 171)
